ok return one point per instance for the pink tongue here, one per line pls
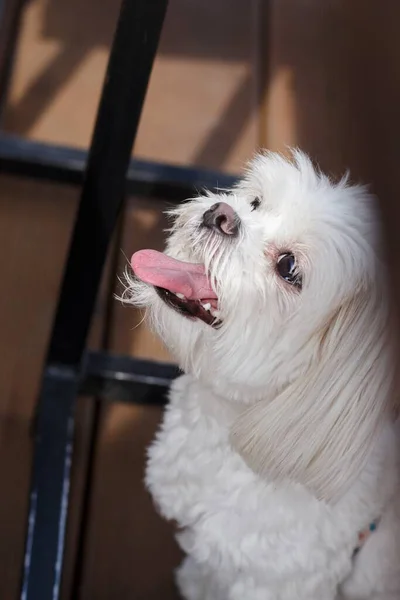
(174, 275)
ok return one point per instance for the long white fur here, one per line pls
(286, 416)
(319, 429)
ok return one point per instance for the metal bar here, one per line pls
(61, 164)
(103, 191)
(48, 500)
(125, 379)
(132, 55)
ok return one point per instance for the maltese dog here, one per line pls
(277, 455)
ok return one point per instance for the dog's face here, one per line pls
(250, 275)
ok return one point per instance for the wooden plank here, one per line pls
(130, 552)
(334, 69)
(334, 91)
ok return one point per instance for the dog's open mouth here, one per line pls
(183, 286)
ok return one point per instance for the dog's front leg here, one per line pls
(195, 583)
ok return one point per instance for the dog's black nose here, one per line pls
(222, 218)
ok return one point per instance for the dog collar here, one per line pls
(364, 535)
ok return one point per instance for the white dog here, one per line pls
(278, 454)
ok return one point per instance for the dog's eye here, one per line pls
(287, 269)
(255, 203)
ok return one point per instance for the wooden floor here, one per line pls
(228, 78)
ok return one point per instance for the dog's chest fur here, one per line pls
(231, 520)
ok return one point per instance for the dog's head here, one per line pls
(272, 294)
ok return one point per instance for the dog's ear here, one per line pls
(318, 430)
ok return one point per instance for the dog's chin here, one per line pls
(190, 309)
(201, 347)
